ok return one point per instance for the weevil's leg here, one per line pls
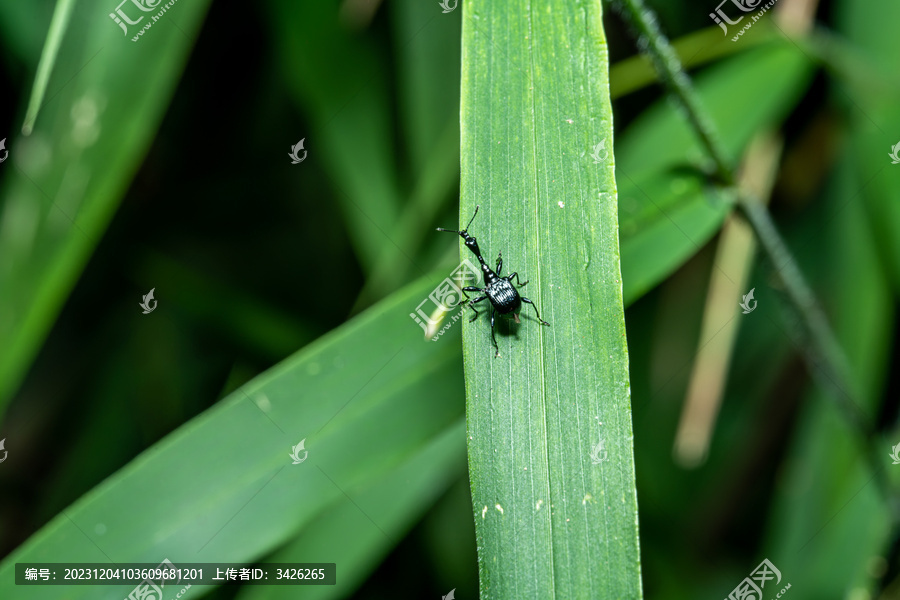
(471, 302)
(516, 276)
(471, 288)
(499, 262)
(527, 301)
(493, 339)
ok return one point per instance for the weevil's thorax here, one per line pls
(502, 294)
(489, 276)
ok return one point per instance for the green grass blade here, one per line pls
(347, 99)
(62, 184)
(426, 44)
(555, 514)
(223, 487)
(58, 25)
(395, 502)
(875, 126)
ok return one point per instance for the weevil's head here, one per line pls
(471, 242)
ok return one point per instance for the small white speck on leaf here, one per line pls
(561, 204)
(498, 507)
(538, 505)
(586, 498)
(483, 512)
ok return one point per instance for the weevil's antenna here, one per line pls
(467, 226)
(473, 217)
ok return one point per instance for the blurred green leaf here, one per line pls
(426, 44)
(871, 26)
(223, 487)
(394, 503)
(829, 519)
(666, 210)
(694, 49)
(347, 100)
(555, 514)
(61, 185)
(62, 16)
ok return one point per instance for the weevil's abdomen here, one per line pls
(504, 296)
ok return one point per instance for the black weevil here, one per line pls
(505, 299)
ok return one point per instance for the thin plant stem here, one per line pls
(656, 46)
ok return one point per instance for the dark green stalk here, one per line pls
(656, 46)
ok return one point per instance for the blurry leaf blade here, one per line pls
(223, 487)
(871, 26)
(106, 97)
(829, 518)
(394, 502)
(658, 239)
(427, 45)
(58, 25)
(347, 98)
(535, 103)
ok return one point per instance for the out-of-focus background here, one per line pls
(163, 164)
